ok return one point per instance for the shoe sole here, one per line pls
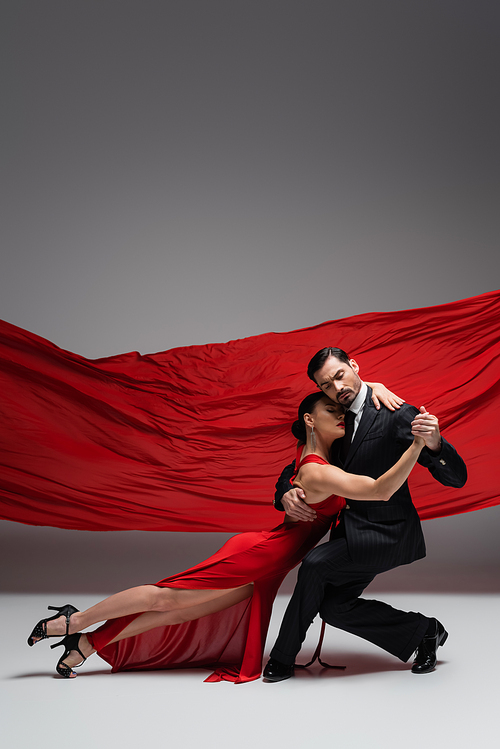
(277, 678)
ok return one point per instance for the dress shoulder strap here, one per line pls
(299, 462)
(314, 459)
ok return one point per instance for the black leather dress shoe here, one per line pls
(426, 659)
(276, 671)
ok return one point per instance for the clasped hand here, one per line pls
(426, 425)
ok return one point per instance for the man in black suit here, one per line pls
(372, 537)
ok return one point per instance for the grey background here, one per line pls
(179, 173)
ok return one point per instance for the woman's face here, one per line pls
(328, 418)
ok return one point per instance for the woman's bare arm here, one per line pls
(320, 481)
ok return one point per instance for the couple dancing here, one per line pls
(217, 613)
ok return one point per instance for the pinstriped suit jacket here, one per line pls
(382, 535)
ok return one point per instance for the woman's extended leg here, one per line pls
(144, 598)
(152, 619)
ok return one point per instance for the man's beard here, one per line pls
(348, 400)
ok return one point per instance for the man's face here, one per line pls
(338, 380)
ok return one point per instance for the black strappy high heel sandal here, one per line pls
(70, 643)
(40, 630)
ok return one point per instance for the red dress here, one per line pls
(230, 641)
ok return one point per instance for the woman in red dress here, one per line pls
(217, 613)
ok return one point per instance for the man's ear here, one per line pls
(354, 365)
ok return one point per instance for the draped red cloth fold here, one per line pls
(194, 438)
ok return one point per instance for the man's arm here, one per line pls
(291, 500)
(446, 466)
(283, 485)
(439, 457)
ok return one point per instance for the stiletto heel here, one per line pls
(70, 643)
(40, 630)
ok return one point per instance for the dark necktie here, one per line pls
(349, 431)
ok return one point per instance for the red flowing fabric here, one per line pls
(194, 438)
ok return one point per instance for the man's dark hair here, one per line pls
(320, 358)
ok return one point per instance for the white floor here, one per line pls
(375, 703)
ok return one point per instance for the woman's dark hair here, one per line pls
(306, 407)
(320, 358)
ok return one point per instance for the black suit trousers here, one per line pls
(330, 583)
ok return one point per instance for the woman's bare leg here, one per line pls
(152, 619)
(135, 601)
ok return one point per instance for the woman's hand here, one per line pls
(381, 394)
(418, 441)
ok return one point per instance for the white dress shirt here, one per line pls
(358, 405)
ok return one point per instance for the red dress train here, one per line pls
(230, 641)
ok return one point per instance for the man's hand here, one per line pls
(295, 507)
(427, 426)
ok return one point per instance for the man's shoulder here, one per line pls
(403, 413)
(388, 420)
